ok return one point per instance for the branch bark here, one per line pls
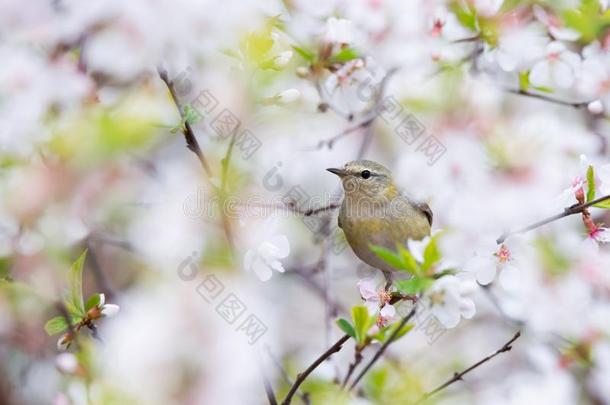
(189, 134)
(458, 376)
(383, 348)
(303, 376)
(574, 209)
(577, 105)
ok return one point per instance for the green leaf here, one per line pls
(431, 253)
(191, 115)
(603, 204)
(55, 325)
(388, 256)
(346, 327)
(590, 184)
(74, 301)
(362, 322)
(414, 286)
(403, 331)
(306, 54)
(93, 301)
(466, 15)
(409, 262)
(524, 80)
(344, 55)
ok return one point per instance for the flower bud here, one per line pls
(595, 107)
(282, 59)
(94, 313)
(64, 341)
(109, 310)
(66, 363)
(287, 96)
(302, 72)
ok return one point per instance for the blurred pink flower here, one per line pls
(386, 315)
(555, 25)
(374, 297)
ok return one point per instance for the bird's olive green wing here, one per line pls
(425, 208)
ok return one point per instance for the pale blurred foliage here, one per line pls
(87, 160)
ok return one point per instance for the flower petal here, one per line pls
(467, 308)
(262, 270)
(510, 277)
(563, 74)
(110, 310)
(541, 74)
(388, 312)
(483, 269)
(367, 288)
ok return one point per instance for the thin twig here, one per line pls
(467, 39)
(352, 366)
(331, 141)
(187, 130)
(268, 389)
(226, 162)
(68, 319)
(304, 395)
(369, 114)
(98, 272)
(303, 376)
(574, 209)
(458, 376)
(325, 104)
(544, 97)
(383, 348)
(366, 142)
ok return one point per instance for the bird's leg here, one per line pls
(388, 279)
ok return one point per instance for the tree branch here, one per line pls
(574, 209)
(369, 115)
(352, 366)
(383, 348)
(269, 390)
(458, 376)
(189, 135)
(577, 105)
(304, 396)
(303, 376)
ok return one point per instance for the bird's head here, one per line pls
(365, 178)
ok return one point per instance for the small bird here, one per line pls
(374, 212)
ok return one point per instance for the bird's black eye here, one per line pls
(365, 174)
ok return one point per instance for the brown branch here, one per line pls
(193, 145)
(269, 390)
(293, 208)
(187, 130)
(304, 395)
(303, 376)
(574, 209)
(458, 376)
(352, 366)
(331, 141)
(467, 39)
(366, 142)
(383, 348)
(369, 114)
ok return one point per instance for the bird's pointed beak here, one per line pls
(338, 172)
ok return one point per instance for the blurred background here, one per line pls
(189, 274)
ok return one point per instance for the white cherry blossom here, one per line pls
(559, 68)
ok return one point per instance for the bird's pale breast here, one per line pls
(382, 225)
